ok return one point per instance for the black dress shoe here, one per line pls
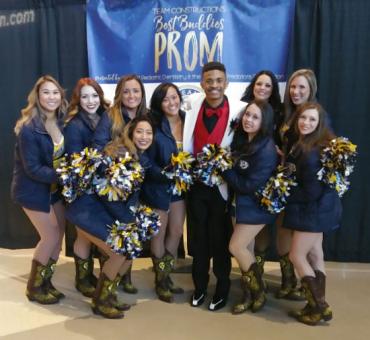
(217, 303)
(197, 299)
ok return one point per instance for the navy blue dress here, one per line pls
(156, 188)
(250, 172)
(313, 206)
(33, 171)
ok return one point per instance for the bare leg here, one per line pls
(157, 242)
(316, 256)
(242, 244)
(126, 265)
(48, 229)
(176, 219)
(283, 237)
(82, 246)
(302, 244)
(59, 211)
(262, 240)
(114, 262)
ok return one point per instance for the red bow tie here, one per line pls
(210, 112)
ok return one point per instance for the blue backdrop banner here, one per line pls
(170, 40)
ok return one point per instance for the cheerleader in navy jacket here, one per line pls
(86, 107)
(313, 208)
(40, 143)
(129, 102)
(256, 160)
(92, 214)
(264, 88)
(300, 88)
(169, 119)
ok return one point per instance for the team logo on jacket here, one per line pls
(243, 164)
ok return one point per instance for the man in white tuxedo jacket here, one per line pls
(207, 121)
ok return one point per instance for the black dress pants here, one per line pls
(209, 229)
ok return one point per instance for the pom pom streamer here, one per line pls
(210, 163)
(121, 177)
(147, 221)
(180, 171)
(124, 239)
(273, 196)
(337, 161)
(127, 238)
(76, 172)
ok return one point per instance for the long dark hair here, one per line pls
(274, 100)
(156, 113)
(318, 138)
(124, 142)
(240, 143)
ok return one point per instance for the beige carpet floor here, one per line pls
(348, 292)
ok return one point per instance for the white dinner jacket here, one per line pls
(192, 106)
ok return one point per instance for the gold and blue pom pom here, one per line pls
(124, 239)
(273, 196)
(76, 172)
(121, 177)
(210, 163)
(148, 222)
(337, 161)
(180, 172)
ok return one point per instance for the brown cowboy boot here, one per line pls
(288, 289)
(47, 280)
(36, 289)
(170, 261)
(102, 302)
(126, 283)
(120, 305)
(256, 287)
(261, 259)
(82, 278)
(162, 270)
(246, 300)
(327, 314)
(318, 307)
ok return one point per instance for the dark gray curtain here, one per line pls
(332, 37)
(36, 38)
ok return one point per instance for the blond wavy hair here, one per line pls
(34, 109)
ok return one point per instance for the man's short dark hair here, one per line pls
(213, 65)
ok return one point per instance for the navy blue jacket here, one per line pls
(102, 135)
(250, 173)
(313, 206)
(33, 167)
(78, 133)
(155, 190)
